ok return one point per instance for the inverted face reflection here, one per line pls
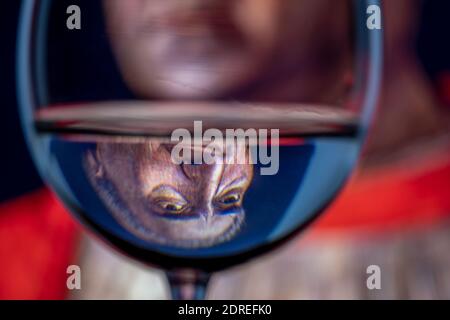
(209, 48)
(187, 206)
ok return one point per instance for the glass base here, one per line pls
(188, 284)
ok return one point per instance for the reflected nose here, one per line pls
(206, 214)
(206, 179)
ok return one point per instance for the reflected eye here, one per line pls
(166, 200)
(230, 199)
(171, 206)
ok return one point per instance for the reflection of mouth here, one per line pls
(130, 221)
(200, 32)
(191, 21)
(224, 236)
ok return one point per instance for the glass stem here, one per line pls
(188, 284)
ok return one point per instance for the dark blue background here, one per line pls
(18, 174)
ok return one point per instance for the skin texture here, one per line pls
(196, 49)
(159, 201)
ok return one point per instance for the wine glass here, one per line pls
(127, 107)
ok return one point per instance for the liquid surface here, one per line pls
(112, 165)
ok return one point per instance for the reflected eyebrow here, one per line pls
(237, 183)
(166, 191)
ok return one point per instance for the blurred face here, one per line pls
(159, 201)
(191, 48)
(200, 49)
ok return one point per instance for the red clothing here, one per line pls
(37, 244)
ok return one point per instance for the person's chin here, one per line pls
(194, 234)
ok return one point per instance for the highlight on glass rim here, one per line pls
(225, 150)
